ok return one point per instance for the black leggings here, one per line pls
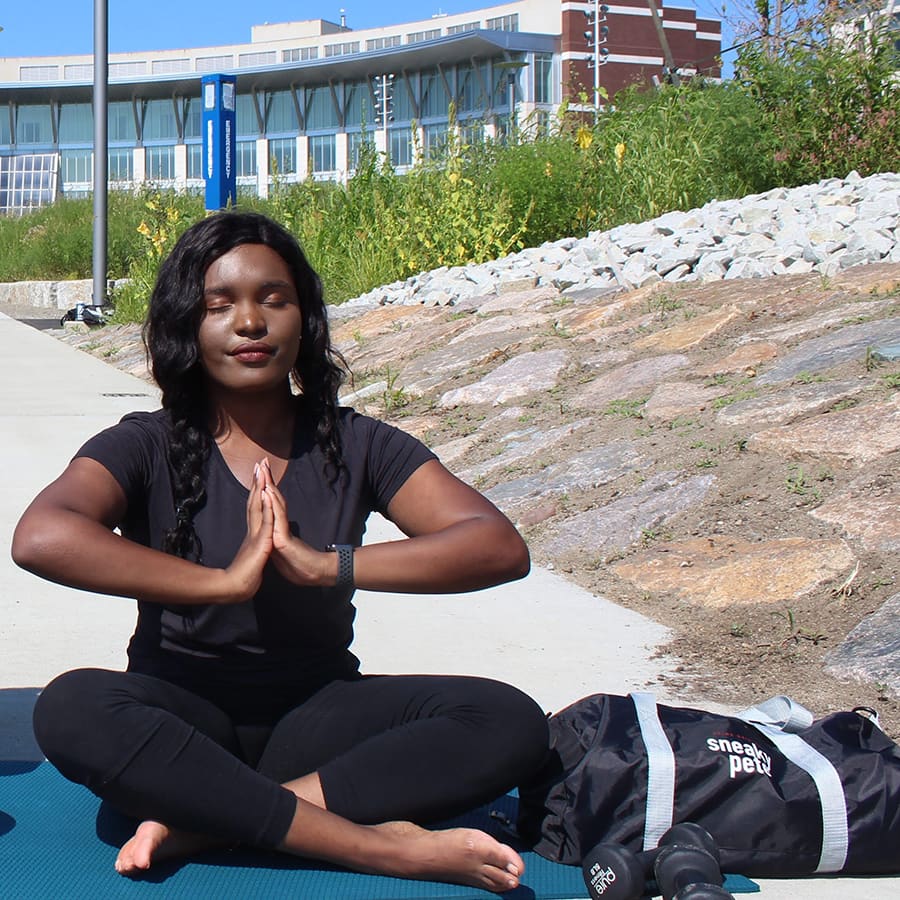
(386, 747)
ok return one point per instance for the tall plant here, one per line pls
(830, 96)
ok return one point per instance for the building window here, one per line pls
(195, 162)
(127, 69)
(543, 78)
(283, 156)
(281, 113)
(79, 72)
(299, 54)
(214, 63)
(5, 133)
(120, 122)
(76, 124)
(160, 163)
(192, 113)
(462, 29)
(247, 60)
(435, 143)
(344, 49)
(358, 105)
(38, 73)
(33, 125)
(320, 111)
(503, 23)
(159, 121)
(168, 66)
(383, 43)
(471, 132)
(322, 153)
(120, 164)
(435, 99)
(77, 167)
(401, 147)
(245, 116)
(416, 37)
(246, 159)
(470, 91)
(356, 141)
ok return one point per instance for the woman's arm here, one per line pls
(66, 535)
(457, 541)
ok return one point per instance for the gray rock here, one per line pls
(871, 652)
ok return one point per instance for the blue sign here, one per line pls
(219, 140)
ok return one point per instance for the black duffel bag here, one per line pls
(780, 793)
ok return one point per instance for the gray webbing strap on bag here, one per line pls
(780, 712)
(777, 719)
(660, 770)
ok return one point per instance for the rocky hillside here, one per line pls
(718, 453)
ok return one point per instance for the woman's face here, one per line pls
(250, 331)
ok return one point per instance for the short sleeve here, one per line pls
(130, 451)
(393, 455)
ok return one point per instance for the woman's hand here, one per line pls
(246, 570)
(294, 559)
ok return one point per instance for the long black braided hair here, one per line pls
(170, 336)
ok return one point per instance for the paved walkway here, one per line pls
(544, 634)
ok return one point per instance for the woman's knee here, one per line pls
(71, 718)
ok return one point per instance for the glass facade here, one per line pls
(121, 165)
(76, 123)
(160, 163)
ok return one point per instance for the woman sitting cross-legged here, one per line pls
(234, 516)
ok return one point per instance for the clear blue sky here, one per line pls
(55, 27)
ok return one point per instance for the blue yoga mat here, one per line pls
(58, 842)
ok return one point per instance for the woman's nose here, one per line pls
(249, 319)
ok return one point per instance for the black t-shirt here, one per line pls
(287, 638)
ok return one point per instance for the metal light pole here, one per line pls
(101, 77)
(597, 37)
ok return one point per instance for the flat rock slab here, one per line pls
(614, 527)
(721, 570)
(834, 348)
(524, 374)
(871, 652)
(848, 314)
(849, 437)
(629, 380)
(680, 398)
(745, 360)
(532, 321)
(790, 403)
(430, 370)
(519, 447)
(868, 511)
(512, 301)
(581, 472)
(689, 333)
(390, 350)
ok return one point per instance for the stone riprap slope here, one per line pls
(824, 228)
(719, 452)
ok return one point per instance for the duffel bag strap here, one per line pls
(835, 830)
(660, 770)
(780, 712)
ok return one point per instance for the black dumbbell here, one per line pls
(612, 872)
(684, 871)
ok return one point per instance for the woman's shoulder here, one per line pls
(135, 428)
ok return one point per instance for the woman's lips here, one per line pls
(252, 352)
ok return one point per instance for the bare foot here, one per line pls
(153, 842)
(458, 855)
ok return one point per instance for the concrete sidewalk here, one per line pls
(545, 635)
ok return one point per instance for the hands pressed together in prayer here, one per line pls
(269, 537)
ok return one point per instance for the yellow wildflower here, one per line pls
(584, 137)
(620, 154)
